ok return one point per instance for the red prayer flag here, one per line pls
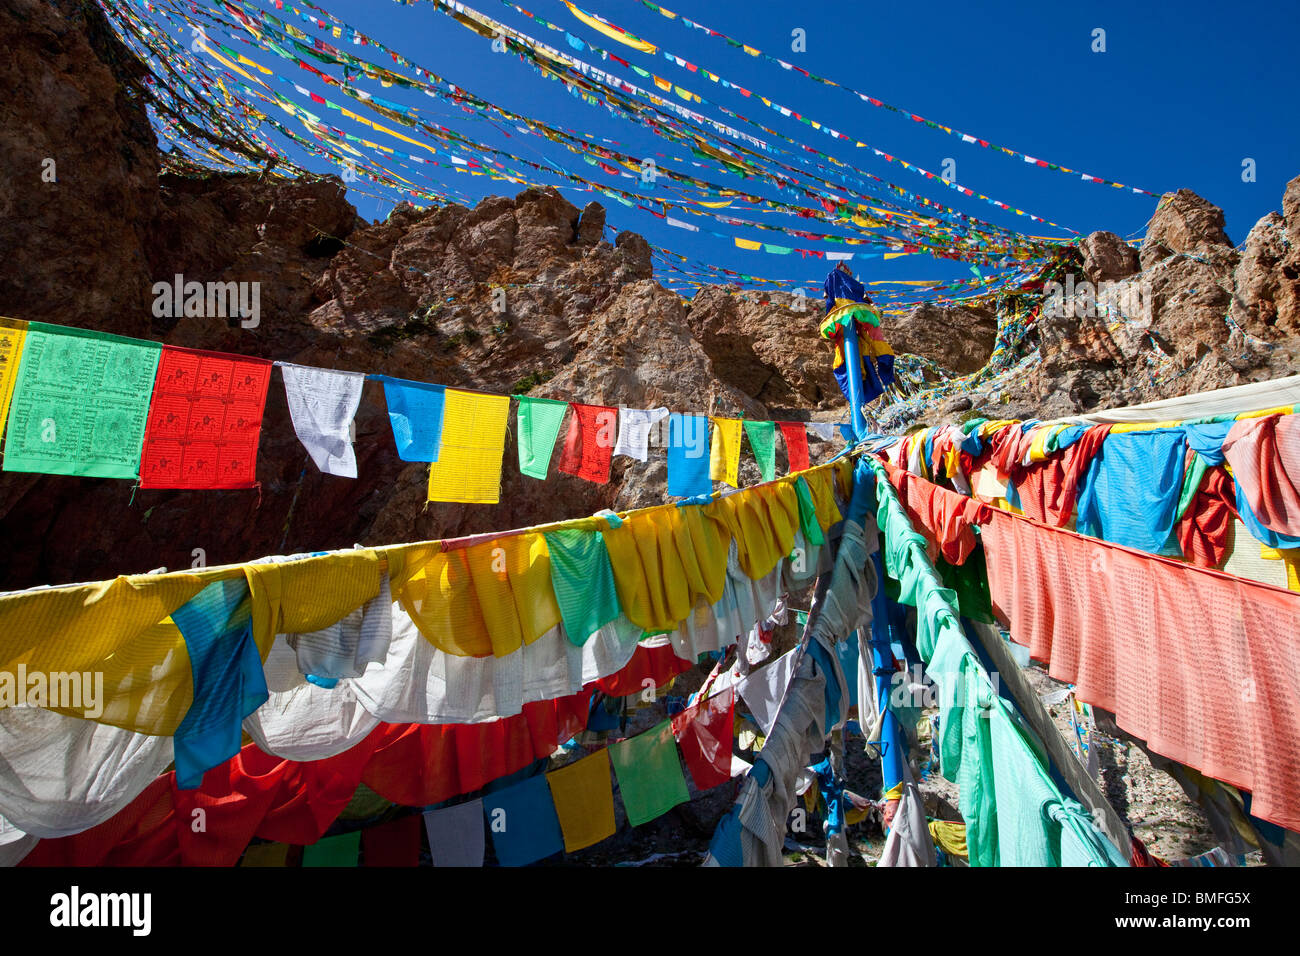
(396, 843)
(589, 443)
(704, 731)
(796, 444)
(205, 420)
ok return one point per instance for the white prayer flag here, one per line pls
(322, 403)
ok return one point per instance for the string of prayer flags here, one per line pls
(12, 334)
(539, 421)
(589, 444)
(523, 823)
(456, 836)
(468, 468)
(584, 801)
(724, 454)
(583, 580)
(80, 402)
(634, 426)
(415, 412)
(762, 442)
(704, 733)
(649, 774)
(333, 851)
(396, 843)
(322, 404)
(205, 420)
(796, 444)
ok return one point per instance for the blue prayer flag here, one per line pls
(415, 411)
(688, 455)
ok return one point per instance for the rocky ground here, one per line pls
(582, 317)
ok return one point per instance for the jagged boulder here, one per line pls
(1107, 257)
(1183, 223)
(769, 349)
(591, 224)
(959, 338)
(1266, 302)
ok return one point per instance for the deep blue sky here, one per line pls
(1183, 93)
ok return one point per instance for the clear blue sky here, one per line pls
(1183, 93)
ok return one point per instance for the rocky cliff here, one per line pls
(524, 294)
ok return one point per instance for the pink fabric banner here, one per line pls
(1199, 664)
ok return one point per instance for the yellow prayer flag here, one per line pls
(724, 453)
(614, 34)
(12, 334)
(584, 801)
(468, 468)
(747, 244)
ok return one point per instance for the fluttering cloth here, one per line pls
(1198, 664)
(539, 422)
(796, 444)
(205, 420)
(634, 426)
(468, 468)
(1265, 458)
(322, 404)
(415, 413)
(80, 402)
(589, 444)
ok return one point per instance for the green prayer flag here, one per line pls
(333, 851)
(649, 774)
(762, 442)
(808, 523)
(539, 422)
(583, 581)
(80, 403)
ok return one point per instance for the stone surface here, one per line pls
(959, 338)
(1107, 257)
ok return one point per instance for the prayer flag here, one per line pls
(589, 443)
(80, 402)
(539, 422)
(12, 334)
(415, 412)
(796, 444)
(205, 420)
(322, 403)
(762, 442)
(468, 468)
(456, 836)
(704, 732)
(649, 774)
(724, 454)
(333, 851)
(523, 823)
(583, 581)
(688, 465)
(584, 801)
(634, 426)
(396, 843)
